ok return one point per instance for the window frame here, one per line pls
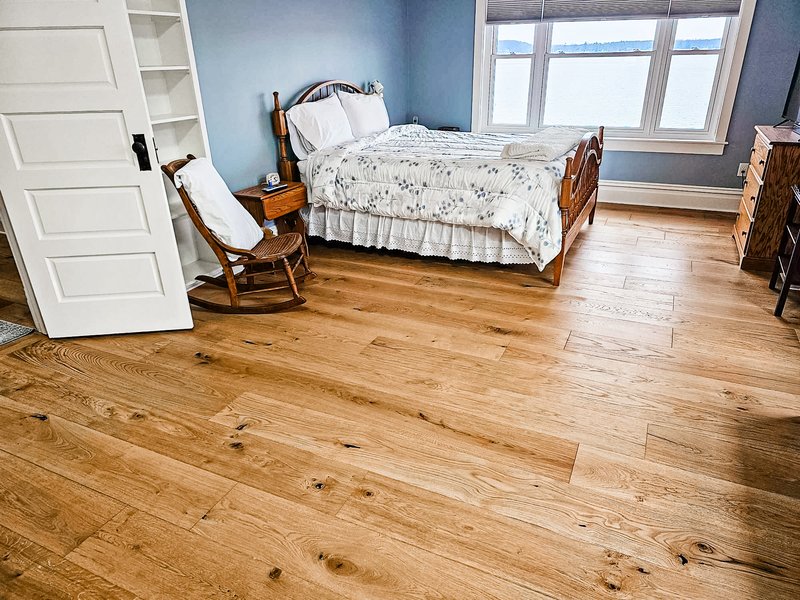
(649, 136)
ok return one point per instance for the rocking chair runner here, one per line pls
(241, 266)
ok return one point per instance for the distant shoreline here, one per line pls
(519, 47)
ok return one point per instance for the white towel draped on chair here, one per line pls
(218, 209)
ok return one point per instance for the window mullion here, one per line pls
(718, 95)
(659, 71)
(541, 41)
(488, 76)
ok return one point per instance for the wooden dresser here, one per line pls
(774, 168)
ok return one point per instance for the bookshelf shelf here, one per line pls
(165, 119)
(156, 13)
(169, 81)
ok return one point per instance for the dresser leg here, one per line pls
(775, 273)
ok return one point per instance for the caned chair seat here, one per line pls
(273, 249)
(245, 250)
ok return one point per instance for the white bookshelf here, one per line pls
(169, 80)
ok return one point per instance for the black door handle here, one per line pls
(139, 148)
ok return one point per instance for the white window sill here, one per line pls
(664, 145)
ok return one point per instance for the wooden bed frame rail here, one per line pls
(578, 199)
(579, 188)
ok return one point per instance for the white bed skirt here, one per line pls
(427, 238)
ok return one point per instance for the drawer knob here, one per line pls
(761, 162)
(744, 233)
(753, 149)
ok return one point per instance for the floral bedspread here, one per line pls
(452, 177)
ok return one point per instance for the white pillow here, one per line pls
(297, 141)
(366, 113)
(218, 209)
(322, 123)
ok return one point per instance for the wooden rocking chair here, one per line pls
(240, 267)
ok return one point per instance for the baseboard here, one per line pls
(668, 195)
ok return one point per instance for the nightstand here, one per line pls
(280, 206)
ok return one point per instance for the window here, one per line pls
(612, 58)
(655, 84)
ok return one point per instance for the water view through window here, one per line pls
(613, 60)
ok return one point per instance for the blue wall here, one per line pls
(441, 43)
(440, 50)
(241, 60)
(422, 50)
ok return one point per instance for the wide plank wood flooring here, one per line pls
(423, 429)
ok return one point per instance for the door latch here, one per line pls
(139, 148)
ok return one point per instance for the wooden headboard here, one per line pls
(287, 168)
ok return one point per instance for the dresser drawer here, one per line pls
(741, 230)
(758, 156)
(752, 190)
(283, 203)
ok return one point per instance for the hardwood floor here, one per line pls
(423, 429)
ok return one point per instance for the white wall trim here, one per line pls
(732, 68)
(478, 80)
(668, 195)
(664, 145)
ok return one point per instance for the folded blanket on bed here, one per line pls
(545, 145)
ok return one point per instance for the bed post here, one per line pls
(286, 167)
(597, 183)
(566, 220)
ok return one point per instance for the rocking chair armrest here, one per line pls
(232, 250)
(267, 232)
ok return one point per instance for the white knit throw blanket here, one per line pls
(545, 145)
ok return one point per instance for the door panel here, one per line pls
(96, 277)
(87, 211)
(93, 230)
(56, 59)
(82, 140)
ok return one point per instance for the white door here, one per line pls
(93, 229)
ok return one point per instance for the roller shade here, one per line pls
(705, 8)
(514, 11)
(534, 11)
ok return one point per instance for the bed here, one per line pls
(442, 193)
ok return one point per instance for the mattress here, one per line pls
(426, 238)
(437, 193)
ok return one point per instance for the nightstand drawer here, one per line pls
(285, 202)
(279, 206)
(752, 190)
(758, 156)
(741, 230)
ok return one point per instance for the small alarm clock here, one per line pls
(273, 179)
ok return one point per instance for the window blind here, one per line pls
(514, 11)
(535, 11)
(705, 8)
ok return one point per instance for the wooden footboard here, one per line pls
(578, 194)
